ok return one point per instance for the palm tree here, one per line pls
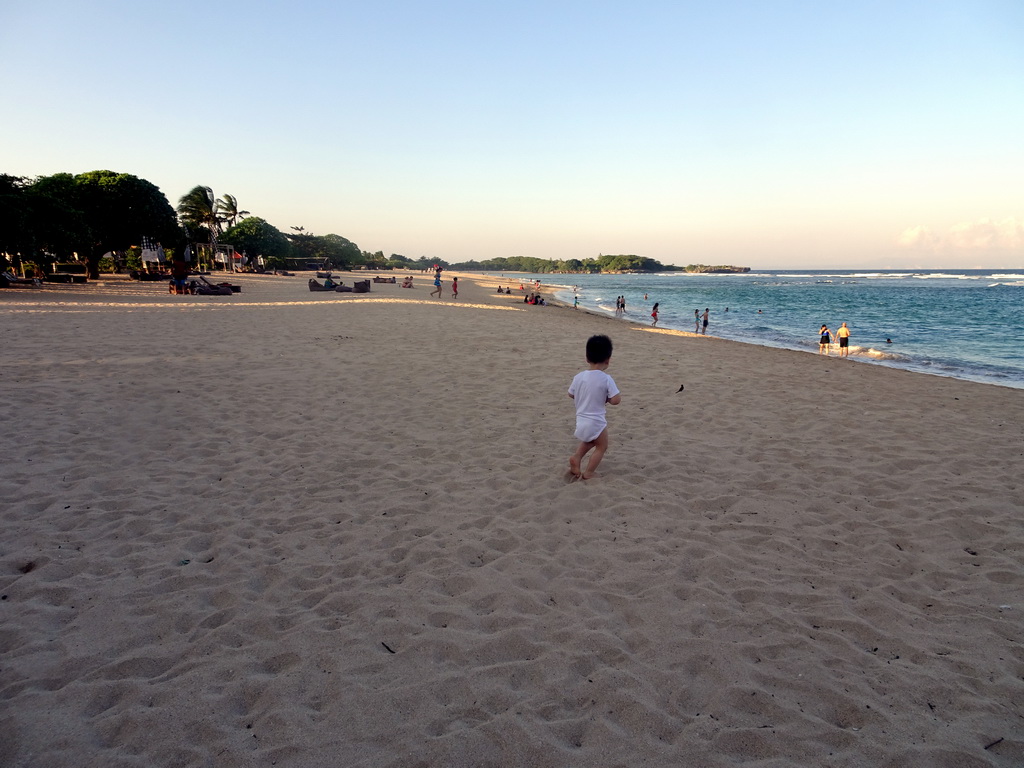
(197, 210)
(227, 210)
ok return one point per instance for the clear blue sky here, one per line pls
(762, 133)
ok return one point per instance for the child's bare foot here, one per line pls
(574, 466)
(588, 475)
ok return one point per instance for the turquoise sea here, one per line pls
(966, 324)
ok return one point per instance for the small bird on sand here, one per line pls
(680, 389)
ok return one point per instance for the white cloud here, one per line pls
(988, 234)
(981, 235)
(918, 237)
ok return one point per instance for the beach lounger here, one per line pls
(231, 288)
(203, 287)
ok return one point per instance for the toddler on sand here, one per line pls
(592, 390)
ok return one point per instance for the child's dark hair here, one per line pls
(599, 349)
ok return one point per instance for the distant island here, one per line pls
(607, 264)
(704, 269)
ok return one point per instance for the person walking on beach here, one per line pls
(696, 321)
(843, 334)
(622, 304)
(455, 288)
(825, 340)
(654, 313)
(592, 390)
(704, 328)
(437, 285)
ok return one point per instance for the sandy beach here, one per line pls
(284, 528)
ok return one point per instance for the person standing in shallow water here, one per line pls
(696, 321)
(843, 334)
(704, 328)
(824, 340)
(654, 313)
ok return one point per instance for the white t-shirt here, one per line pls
(591, 390)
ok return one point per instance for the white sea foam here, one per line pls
(879, 354)
(882, 274)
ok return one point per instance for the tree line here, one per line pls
(83, 217)
(603, 263)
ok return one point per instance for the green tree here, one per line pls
(17, 235)
(96, 212)
(303, 243)
(37, 221)
(57, 228)
(51, 225)
(256, 237)
(337, 250)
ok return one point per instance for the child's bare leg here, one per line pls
(576, 458)
(600, 446)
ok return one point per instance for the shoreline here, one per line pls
(120, 287)
(318, 529)
(882, 356)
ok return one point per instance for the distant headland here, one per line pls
(704, 269)
(608, 264)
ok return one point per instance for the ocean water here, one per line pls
(966, 324)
